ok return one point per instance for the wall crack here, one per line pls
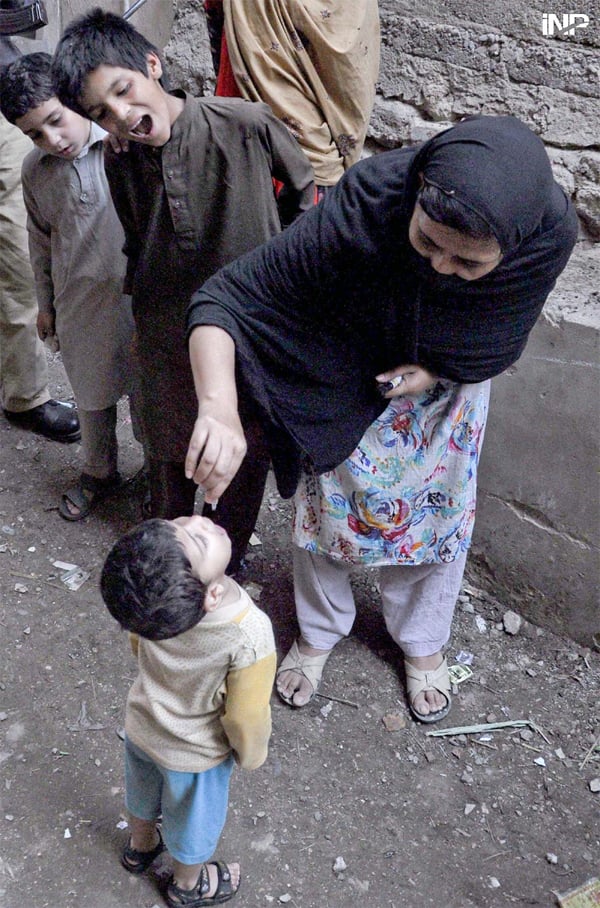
(530, 515)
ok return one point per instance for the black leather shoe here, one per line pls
(56, 419)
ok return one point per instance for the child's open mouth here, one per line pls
(143, 127)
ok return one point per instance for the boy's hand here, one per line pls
(215, 452)
(406, 380)
(118, 145)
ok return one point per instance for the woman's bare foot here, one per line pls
(297, 684)
(428, 701)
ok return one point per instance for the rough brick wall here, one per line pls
(444, 63)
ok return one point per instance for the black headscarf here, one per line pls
(341, 295)
(499, 169)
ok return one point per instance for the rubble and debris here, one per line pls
(326, 709)
(595, 746)
(84, 722)
(487, 726)
(585, 896)
(73, 576)
(459, 673)
(464, 658)
(512, 622)
(394, 721)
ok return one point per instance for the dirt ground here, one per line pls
(357, 805)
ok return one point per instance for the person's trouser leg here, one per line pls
(136, 408)
(23, 367)
(238, 508)
(418, 604)
(137, 424)
(171, 493)
(99, 447)
(325, 606)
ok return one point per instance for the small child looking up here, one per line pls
(206, 664)
(75, 245)
(193, 192)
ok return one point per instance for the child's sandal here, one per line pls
(77, 502)
(138, 861)
(197, 897)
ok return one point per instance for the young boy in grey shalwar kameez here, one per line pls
(75, 242)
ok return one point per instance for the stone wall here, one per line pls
(439, 66)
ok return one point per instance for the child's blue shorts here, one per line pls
(193, 804)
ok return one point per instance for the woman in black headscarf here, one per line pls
(423, 267)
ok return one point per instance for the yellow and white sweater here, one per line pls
(206, 692)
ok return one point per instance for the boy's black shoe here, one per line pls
(56, 419)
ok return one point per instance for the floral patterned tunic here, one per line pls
(406, 495)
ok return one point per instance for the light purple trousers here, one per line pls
(417, 600)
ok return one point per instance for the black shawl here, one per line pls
(341, 295)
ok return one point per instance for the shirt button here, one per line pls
(84, 197)
(169, 174)
(177, 204)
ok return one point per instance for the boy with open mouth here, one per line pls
(193, 191)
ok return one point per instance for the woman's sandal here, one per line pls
(418, 681)
(197, 897)
(310, 667)
(87, 493)
(138, 861)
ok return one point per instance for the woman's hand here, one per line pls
(216, 450)
(217, 446)
(405, 380)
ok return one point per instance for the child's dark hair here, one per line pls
(25, 84)
(147, 583)
(95, 39)
(445, 209)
